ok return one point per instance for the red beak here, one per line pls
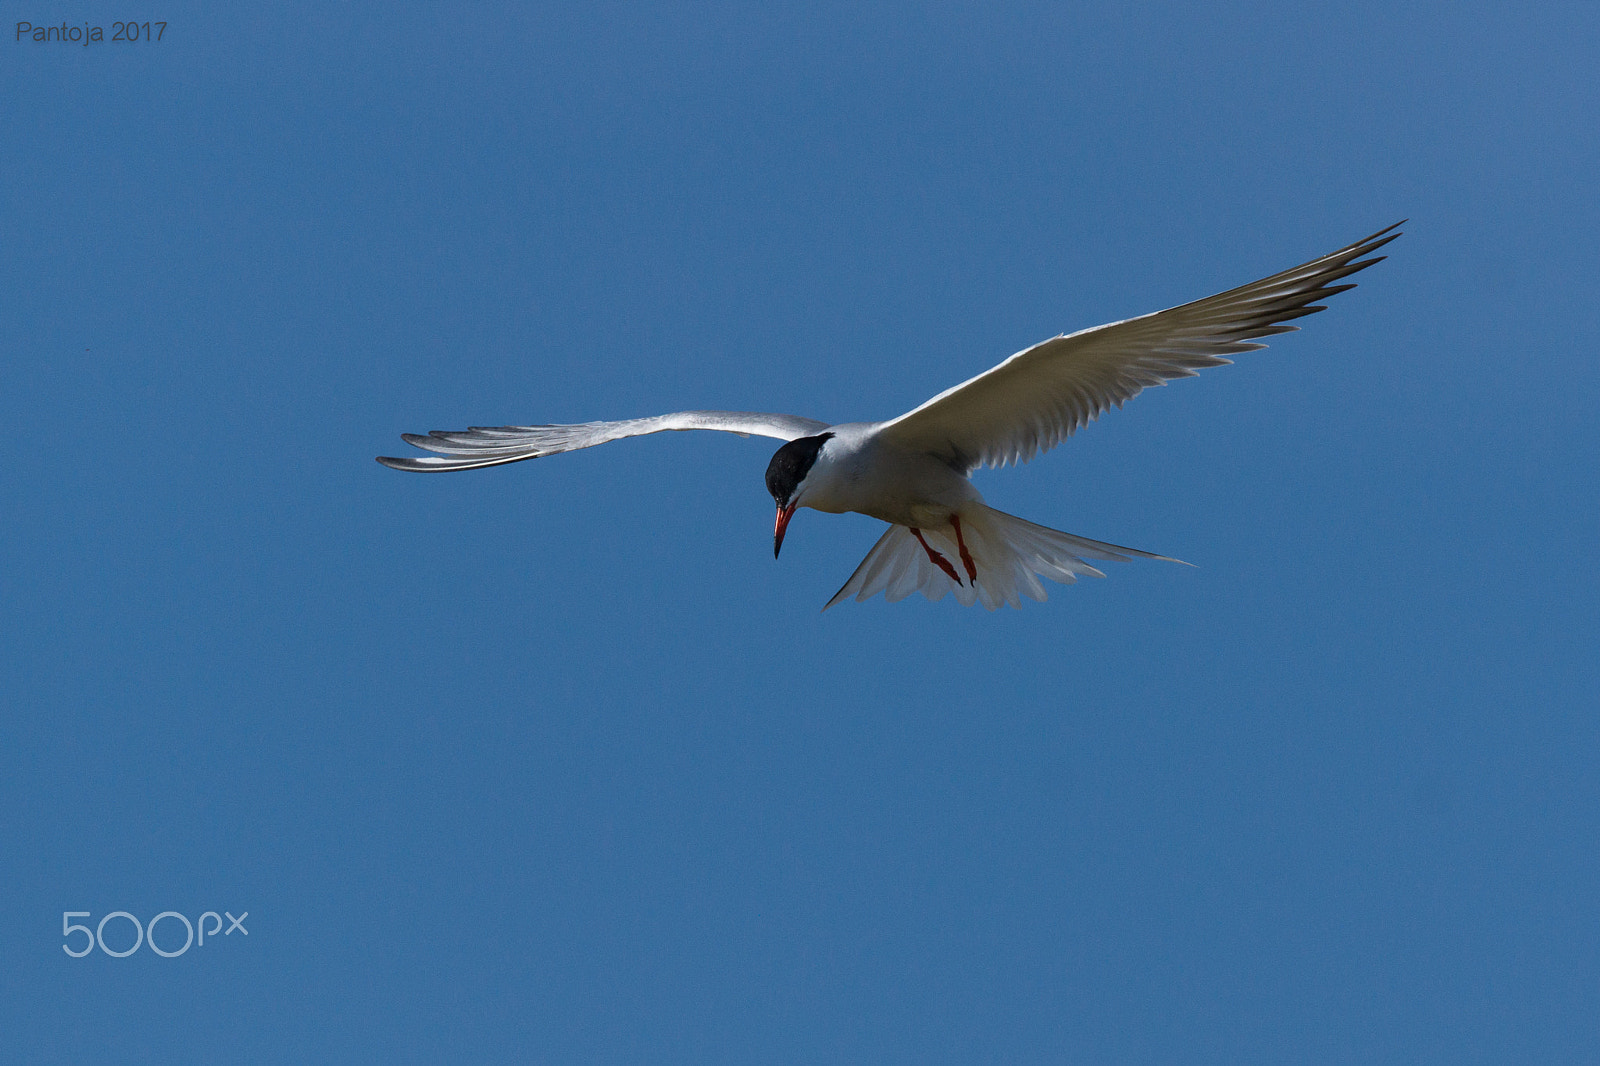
(784, 514)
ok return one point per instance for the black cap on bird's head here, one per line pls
(789, 467)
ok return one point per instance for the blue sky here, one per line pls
(554, 763)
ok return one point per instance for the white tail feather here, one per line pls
(1010, 555)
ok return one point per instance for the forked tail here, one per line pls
(1009, 553)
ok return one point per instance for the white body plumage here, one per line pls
(858, 469)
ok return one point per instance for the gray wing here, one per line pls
(1042, 395)
(468, 449)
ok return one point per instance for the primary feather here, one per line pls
(491, 446)
(1042, 395)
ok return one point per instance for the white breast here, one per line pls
(857, 471)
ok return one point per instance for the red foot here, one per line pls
(938, 560)
(966, 556)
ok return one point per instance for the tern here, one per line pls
(914, 471)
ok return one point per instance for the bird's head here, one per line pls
(786, 480)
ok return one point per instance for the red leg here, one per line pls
(966, 556)
(938, 560)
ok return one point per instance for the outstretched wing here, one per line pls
(468, 449)
(1042, 395)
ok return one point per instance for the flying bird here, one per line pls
(914, 471)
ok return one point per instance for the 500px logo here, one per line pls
(142, 933)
